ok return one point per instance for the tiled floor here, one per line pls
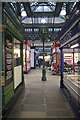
(41, 99)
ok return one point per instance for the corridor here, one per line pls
(41, 99)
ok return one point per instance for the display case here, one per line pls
(70, 57)
(27, 57)
(33, 57)
(72, 83)
(37, 57)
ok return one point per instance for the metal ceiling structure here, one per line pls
(27, 8)
(51, 12)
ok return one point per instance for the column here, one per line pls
(56, 56)
(73, 63)
(62, 68)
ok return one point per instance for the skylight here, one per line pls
(43, 9)
(40, 20)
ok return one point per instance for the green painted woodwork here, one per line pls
(9, 93)
(0, 60)
(3, 63)
(68, 8)
(15, 28)
(11, 14)
(12, 22)
(18, 9)
(14, 32)
(13, 62)
(9, 90)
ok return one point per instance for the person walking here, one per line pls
(39, 63)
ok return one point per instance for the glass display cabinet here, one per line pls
(70, 57)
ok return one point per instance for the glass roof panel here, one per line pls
(39, 9)
(59, 20)
(13, 6)
(27, 21)
(47, 9)
(72, 6)
(43, 9)
(47, 20)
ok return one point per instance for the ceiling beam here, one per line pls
(27, 8)
(58, 8)
(40, 14)
(47, 25)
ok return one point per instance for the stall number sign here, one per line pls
(68, 58)
(8, 60)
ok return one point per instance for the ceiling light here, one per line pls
(43, 21)
(76, 45)
(63, 12)
(23, 13)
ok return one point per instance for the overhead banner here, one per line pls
(8, 60)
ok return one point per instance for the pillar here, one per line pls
(73, 63)
(56, 56)
(62, 68)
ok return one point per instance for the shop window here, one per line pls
(71, 76)
(27, 57)
(17, 60)
(17, 64)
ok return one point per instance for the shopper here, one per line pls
(39, 63)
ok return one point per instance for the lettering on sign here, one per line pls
(8, 60)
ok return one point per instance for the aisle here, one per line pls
(41, 99)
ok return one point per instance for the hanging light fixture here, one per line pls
(23, 13)
(63, 12)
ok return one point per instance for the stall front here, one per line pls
(70, 57)
(37, 57)
(27, 57)
(55, 66)
(33, 57)
(13, 81)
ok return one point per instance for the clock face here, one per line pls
(43, 32)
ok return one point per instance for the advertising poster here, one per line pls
(8, 60)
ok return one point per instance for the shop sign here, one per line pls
(71, 33)
(8, 60)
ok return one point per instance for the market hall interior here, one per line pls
(40, 60)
